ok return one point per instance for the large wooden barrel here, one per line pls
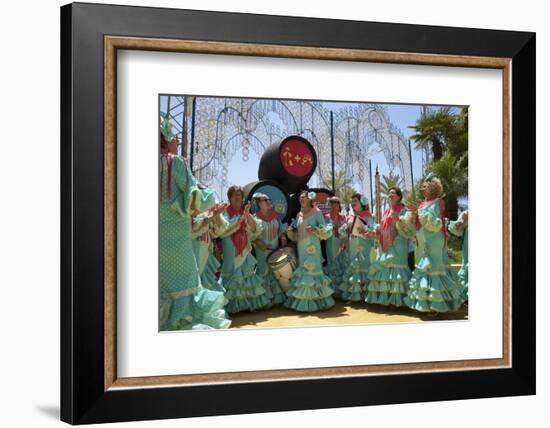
(294, 205)
(291, 163)
(277, 193)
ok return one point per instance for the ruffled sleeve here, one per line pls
(253, 234)
(457, 227)
(343, 229)
(189, 190)
(292, 233)
(405, 226)
(200, 225)
(324, 229)
(230, 225)
(217, 230)
(430, 218)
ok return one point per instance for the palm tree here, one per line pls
(386, 183)
(343, 186)
(458, 144)
(434, 130)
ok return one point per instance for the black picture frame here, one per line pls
(83, 398)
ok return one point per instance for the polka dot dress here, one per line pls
(184, 303)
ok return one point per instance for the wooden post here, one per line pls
(332, 151)
(378, 196)
(192, 148)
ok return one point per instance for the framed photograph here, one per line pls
(277, 213)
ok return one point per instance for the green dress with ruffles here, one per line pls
(203, 233)
(244, 289)
(356, 277)
(310, 288)
(337, 259)
(460, 228)
(273, 228)
(433, 288)
(389, 274)
(184, 303)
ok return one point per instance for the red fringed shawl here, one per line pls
(238, 237)
(388, 233)
(169, 158)
(270, 216)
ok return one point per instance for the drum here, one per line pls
(282, 263)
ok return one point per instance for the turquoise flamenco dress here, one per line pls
(273, 228)
(184, 303)
(390, 274)
(460, 228)
(356, 277)
(337, 259)
(310, 288)
(203, 232)
(243, 287)
(433, 288)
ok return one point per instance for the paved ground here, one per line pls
(340, 313)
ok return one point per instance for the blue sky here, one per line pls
(401, 115)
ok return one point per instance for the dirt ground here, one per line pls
(341, 313)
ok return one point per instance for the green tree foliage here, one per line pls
(445, 132)
(434, 130)
(343, 186)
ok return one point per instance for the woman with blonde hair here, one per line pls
(432, 287)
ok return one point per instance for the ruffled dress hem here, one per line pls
(244, 289)
(388, 285)
(203, 310)
(431, 292)
(355, 283)
(309, 292)
(273, 291)
(335, 270)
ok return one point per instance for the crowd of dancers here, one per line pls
(214, 257)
